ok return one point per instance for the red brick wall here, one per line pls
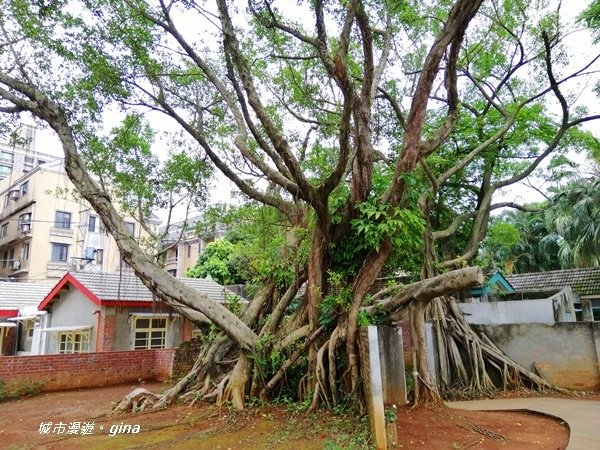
(185, 356)
(406, 342)
(58, 372)
(163, 363)
(186, 330)
(106, 331)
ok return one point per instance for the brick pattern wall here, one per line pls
(163, 363)
(186, 330)
(406, 342)
(185, 356)
(107, 328)
(73, 371)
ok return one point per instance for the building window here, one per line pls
(60, 252)
(189, 251)
(197, 332)
(5, 259)
(24, 188)
(62, 219)
(25, 251)
(131, 227)
(11, 255)
(28, 164)
(5, 170)
(74, 342)
(6, 157)
(92, 224)
(150, 333)
(24, 223)
(4, 230)
(99, 255)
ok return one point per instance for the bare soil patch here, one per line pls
(443, 428)
(282, 427)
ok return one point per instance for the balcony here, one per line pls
(57, 233)
(171, 263)
(18, 267)
(16, 203)
(14, 268)
(22, 233)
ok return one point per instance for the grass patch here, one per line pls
(19, 388)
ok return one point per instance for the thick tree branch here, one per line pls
(166, 287)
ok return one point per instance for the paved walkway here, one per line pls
(583, 416)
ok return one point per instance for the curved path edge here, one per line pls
(582, 416)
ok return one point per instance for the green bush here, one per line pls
(19, 388)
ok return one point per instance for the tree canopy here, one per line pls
(377, 136)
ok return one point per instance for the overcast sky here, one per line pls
(580, 42)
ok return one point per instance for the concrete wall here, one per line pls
(58, 372)
(565, 353)
(520, 311)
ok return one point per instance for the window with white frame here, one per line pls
(149, 332)
(74, 341)
(4, 230)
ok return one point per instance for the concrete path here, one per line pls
(583, 416)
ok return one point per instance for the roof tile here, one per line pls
(114, 286)
(16, 295)
(582, 281)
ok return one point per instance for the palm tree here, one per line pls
(575, 216)
(536, 248)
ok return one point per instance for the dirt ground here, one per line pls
(78, 419)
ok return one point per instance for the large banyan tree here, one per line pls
(377, 132)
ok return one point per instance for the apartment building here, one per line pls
(184, 245)
(20, 157)
(46, 229)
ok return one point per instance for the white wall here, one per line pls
(517, 311)
(72, 308)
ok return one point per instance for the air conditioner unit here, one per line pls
(15, 264)
(13, 195)
(90, 253)
(25, 228)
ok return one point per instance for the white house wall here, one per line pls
(518, 311)
(72, 308)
